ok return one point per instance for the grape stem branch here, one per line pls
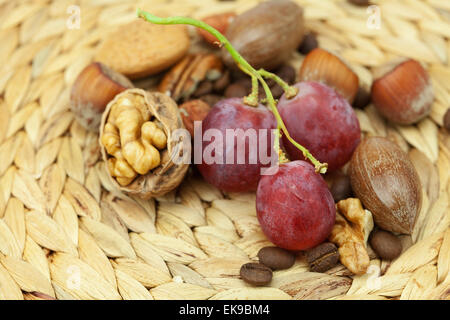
(256, 76)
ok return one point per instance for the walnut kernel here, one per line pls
(350, 233)
(139, 144)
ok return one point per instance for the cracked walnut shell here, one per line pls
(138, 144)
(350, 233)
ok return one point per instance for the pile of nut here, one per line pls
(136, 124)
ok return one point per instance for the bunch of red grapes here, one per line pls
(294, 205)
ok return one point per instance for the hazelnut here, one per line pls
(194, 110)
(402, 92)
(93, 89)
(322, 66)
(220, 22)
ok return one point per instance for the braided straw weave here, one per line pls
(66, 233)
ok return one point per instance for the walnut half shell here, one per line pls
(124, 120)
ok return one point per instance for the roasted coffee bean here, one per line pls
(256, 274)
(277, 91)
(246, 82)
(276, 258)
(360, 2)
(362, 98)
(211, 99)
(287, 73)
(341, 188)
(385, 244)
(447, 119)
(236, 90)
(203, 88)
(309, 43)
(221, 83)
(323, 257)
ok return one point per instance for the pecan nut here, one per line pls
(183, 79)
(350, 233)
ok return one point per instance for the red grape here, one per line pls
(322, 121)
(295, 208)
(234, 114)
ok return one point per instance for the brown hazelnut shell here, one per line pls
(386, 182)
(322, 66)
(93, 89)
(402, 92)
(168, 175)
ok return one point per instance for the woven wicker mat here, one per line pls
(66, 233)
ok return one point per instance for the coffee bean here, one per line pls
(447, 120)
(211, 99)
(256, 274)
(341, 188)
(246, 82)
(223, 82)
(276, 258)
(385, 244)
(205, 87)
(362, 98)
(309, 43)
(287, 73)
(360, 2)
(236, 90)
(277, 91)
(323, 257)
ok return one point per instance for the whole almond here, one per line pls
(139, 48)
(386, 182)
(267, 34)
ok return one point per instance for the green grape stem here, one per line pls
(256, 76)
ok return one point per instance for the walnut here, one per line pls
(137, 143)
(350, 234)
(183, 79)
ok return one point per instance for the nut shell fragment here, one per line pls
(168, 174)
